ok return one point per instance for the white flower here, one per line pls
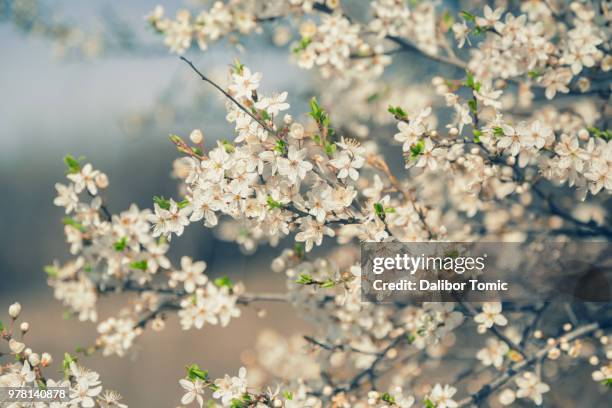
(168, 221)
(294, 167)
(14, 310)
(490, 315)
(111, 399)
(195, 391)
(312, 232)
(347, 165)
(16, 346)
(442, 397)
(410, 132)
(179, 32)
(216, 165)
(507, 397)
(488, 96)
(556, 81)
(530, 386)
(231, 387)
(66, 197)
(512, 140)
(191, 274)
(86, 387)
(430, 155)
(245, 83)
(85, 178)
(604, 373)
(274, 104)
(461, 31)
(490, 17)
(493, 354)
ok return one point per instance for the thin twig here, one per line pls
(230, 97)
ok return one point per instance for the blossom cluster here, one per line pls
(121, 253)
(83, 387)
(206, 27)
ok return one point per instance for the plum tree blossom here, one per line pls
(510, 145)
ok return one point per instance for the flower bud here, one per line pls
(101, 180)
(287, 119)
(27, 352)
(296, 131)
(34, 359)
(25, 326)
(158, 324)
(278, 264)
(308, 29)
(196, 136)
(46, 359)
(15, 346)
(15, 310)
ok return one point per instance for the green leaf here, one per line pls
(473, 104)
(229, 148)
(121, 244)
(479, 30)
(379, 209)
(281, 147)
(141, 265)
(68, 359)
(329, 148)
(534, 74)
(397, 112)
(72, 164)
(238, 66)
(176, 139)
(224, 281)
(264, 114)
(411, 338)
(304, 279)
(1, 326)
(448, 18)
(51, 271)
(329, 283)
(73, 223)
(183, 204)
(288, 395)
(417, 149)
(468, 16)
(304, 42)
(429, 404)
(272, 204)
(604, 134)
(607, 382)
(469, 82)
(299, 250)
(373, 97)
(498, 131)
(194, 372)
(316, 112)
(162, 202)
(388, 398)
